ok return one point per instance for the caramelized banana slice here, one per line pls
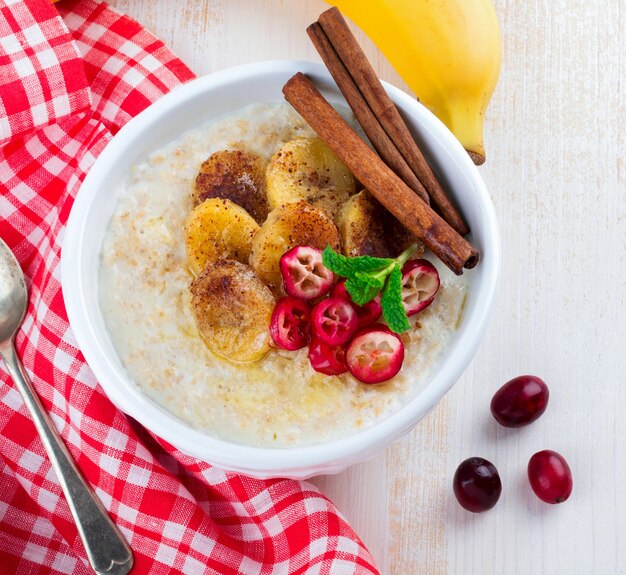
(297, 224)
(218, 229)
(232, 307)
(236, 176)
(360, 223)
(307, 169)
(367, 228)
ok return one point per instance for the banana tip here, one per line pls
(478, 159)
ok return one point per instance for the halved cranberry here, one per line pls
(367, 313)
(550, 476)
(520, 401)
(420, 282)
(375, 354)
(304, 274)
(334, 321)
(290, 326)
(327, 359)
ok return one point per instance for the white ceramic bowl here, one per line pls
(164, 121)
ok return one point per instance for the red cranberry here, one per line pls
(520, 401)
(375, 354)
(334, 321)
(290, 325)
(420, 283)
(327, 359)
(477, 484)
(304, 274)
(550, 476)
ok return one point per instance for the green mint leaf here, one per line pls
(391, 302)
(336, 262)
(347, 266)
(361, 291)
(374, 280)
(365, 264)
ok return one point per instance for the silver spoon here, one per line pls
(106, 548)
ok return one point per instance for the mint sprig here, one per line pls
(345, 266)
(368, 276)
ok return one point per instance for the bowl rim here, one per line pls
(264, 461)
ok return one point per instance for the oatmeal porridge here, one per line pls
(279, 400)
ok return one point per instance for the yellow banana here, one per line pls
(447, 51)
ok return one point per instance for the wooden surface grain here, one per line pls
(556, 170)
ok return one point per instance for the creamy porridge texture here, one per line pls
(279, 401)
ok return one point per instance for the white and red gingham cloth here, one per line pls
(70, 75)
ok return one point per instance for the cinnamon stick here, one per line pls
(362, 111)
(454, 250)
(364, 76)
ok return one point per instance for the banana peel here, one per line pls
(447, 51)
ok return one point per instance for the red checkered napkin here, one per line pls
(68, 80)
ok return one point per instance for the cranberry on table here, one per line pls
(334, 321)
(367, 313)
(477, 484)
(327, 359)
(520, 401)
(550, 476)
(290, 325)
(304, 274)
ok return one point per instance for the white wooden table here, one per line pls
(556, 170)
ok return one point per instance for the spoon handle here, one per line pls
(106, 547)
